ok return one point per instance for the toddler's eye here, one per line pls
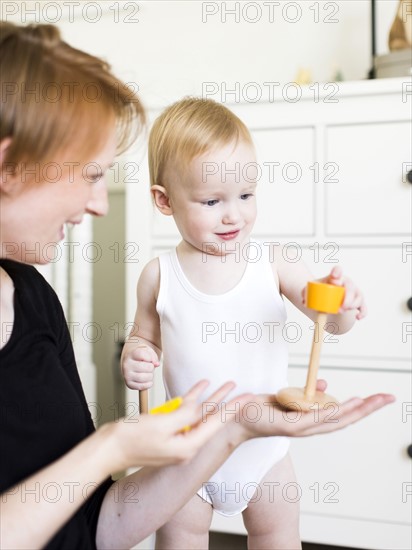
(212, 202)
(246, 196)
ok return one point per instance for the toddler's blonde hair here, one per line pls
(187, 129)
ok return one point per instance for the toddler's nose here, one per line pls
(231, 215)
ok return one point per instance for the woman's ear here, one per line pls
(161, 199)
(5, 174)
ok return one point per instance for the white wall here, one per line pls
(171, 48)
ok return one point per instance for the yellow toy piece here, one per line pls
(324, 297)
(167, 407)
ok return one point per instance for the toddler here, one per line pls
(214, 307)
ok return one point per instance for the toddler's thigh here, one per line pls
(188, 528)
(275, 504)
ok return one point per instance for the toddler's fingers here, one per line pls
(303, 294)
(134, 368)
(363, 311)
(321, 385)
(144, 353)
(354, 301)
(141, 377)
(357, 301)
(335, 276)
(138, 385)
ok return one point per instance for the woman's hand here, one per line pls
(275, 420)
(161, 439)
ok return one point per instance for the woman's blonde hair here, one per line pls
(187, 129)
(56, 98)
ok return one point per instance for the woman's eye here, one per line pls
(94, 178)
(212, 202)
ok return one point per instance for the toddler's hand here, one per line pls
(353, 300)
(138, 368)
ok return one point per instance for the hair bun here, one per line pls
(46, 35)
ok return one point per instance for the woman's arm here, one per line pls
(152, 440)
(30, 521)
(160, 492)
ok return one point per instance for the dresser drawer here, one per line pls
(364, 471)
(286, 173)
(371, 194)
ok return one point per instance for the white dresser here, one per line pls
(334, 162)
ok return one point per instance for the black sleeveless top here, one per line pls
(43, 410)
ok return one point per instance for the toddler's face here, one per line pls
(214, 206)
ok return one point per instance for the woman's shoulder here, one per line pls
(19, 271)
(26, 276)
(30, 284)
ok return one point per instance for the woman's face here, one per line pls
(32, 216)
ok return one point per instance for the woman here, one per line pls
(64, 118)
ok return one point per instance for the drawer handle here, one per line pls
(409, 304)
(409, 176)
(409, 450)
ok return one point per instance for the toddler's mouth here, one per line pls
(228, 235)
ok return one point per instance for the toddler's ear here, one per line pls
(161, 199)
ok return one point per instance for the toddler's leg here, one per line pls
(272, 522)
(189, 528)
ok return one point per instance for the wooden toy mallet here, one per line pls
(324, 298)
(144, 401)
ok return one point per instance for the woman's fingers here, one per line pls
(219, 395)
(204, 419)
(276, 420)
(347, 413)
(191, 413)
(351, 412)
(196, 391)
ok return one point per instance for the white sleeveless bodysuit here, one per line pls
(232, 336)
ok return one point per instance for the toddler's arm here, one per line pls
(142, 349)
(293, 278)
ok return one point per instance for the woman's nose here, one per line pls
(98, 204)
